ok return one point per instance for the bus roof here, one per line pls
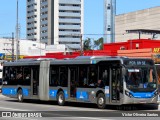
(77, 60)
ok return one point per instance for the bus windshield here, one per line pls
(141, 79)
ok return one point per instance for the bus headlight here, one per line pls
(92, 92)
(155, 93)
(128, 94)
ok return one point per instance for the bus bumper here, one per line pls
(140, 100)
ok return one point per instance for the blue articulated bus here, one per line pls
(91, 79)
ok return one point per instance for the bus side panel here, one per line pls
(87, 94)
(44, 80)
(26, 92)
(53, 91)
(9, 91)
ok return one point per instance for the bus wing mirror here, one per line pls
(0, 70)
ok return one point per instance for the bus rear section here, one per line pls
(140, 82)
(26, 80)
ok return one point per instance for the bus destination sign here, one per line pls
(138, 62)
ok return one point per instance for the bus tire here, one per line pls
(101, 102)
(20, 95)
(61, 98)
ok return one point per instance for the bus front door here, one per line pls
(115, 85)
(72, 81)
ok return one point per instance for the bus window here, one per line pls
(27, 76)
(5, 75)
(54, 76)
(63, 76)
(19, 74)
(13, 78)
(83, 76)
(104, 74)
(93, 76)
(12, 72)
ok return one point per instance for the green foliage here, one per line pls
(91, 44)
(99, 44)
(87, 44)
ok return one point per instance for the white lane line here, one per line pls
(73, 117)
(94, 118)
(2, 96)
(14, 109)
(90, 118)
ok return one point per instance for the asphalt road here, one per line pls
(73, 111)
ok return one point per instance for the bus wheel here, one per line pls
(20, 96)
(101, 101)
(61, 98)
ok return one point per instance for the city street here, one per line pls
(71, 110)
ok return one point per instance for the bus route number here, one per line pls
(137, 62)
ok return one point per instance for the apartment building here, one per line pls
(56, 22)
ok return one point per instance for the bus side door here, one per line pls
(115, 84)
(72, 81)
(35, 80)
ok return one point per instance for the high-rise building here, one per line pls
(55, 21)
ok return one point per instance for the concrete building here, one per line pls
(27, 47)
(55, 21)
(142, 19)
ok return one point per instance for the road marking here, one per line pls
(2, 95)
(90, 118)
(94, 118)
(73, 117)
(13, 109)
(63, 108)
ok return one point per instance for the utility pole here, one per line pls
(12, 47)
(17, 36)
(81, 44)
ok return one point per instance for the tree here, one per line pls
(98, 44)
(87, 44)
(93, 45)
